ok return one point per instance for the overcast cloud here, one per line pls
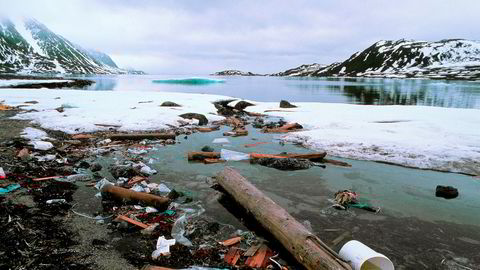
(181, 37)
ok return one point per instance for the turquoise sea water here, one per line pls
(442, 93)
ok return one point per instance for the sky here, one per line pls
(205, 36)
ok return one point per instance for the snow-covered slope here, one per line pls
(450, 59)
(27, 46)
(234, 72)
(300, 70)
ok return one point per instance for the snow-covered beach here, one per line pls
(436, 138)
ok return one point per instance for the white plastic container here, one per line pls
(362, 257)
(2, 174)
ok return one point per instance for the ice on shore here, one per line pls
(95, 111)
(418, 136)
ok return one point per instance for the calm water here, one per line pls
(459, 94)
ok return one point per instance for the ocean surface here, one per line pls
(368, 91)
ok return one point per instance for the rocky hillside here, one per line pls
(233, 72)
(299, 71)
(28, 46)
(449, 59)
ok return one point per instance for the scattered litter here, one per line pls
(131, 221)
(255, 144)
(178, 231)
(2, 173)
(163, 247)
(56, 201)
(220, 141)
(42, 145)
(46, 157)
(9, 188)
(233, 155)
(347, 198)
(231, 241)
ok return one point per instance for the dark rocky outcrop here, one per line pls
(447, 192)
(200, 117)
(286, 104)
(170, 104)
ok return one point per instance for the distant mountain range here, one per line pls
(445, 59)
(27, 46)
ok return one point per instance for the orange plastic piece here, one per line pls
(134, 222)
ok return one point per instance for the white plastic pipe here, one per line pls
(362, 257)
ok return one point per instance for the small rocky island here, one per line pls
(233, 72)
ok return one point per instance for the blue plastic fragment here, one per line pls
(9, 189)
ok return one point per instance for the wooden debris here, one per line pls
(142, 136)
(207, 129)
(254, 114)
(132, 221)
(108, 125)
(213, 160)
(202, 155)
(158, 202)
(47, 178)
(255, 144)
(136, 179)
(232, 256)
(309, 156)
(285, 128)
(307, 248)
(336, 162)
(231, 241)
(260, 259)
(252, 250)
(82, 136)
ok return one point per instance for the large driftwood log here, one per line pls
(307, 248)
(142, 136)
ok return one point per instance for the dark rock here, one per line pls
(65, 170)
(98, 242)
(286, 104)
(284, 164)
(170, 104)
(200, 117)
(207, 148)
(83, 164)
(95, 167)
(447, 192)
(241, 105)
(123, 171)
(60, 109)
(170, 141)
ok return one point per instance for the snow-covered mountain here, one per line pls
(449, 59)
(234, 72)
(300, 70)
(28, 46)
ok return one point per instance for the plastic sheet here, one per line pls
(233, 155)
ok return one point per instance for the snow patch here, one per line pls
(27, 35)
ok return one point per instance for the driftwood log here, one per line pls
(310, 156)
(158, 202)
(307, 248)
(202, 155)
(142, 136)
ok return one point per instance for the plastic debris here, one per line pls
(132, 221)
(2, 173)
(178, 231)
(55, 201)
(9, 188)
(163, 247)
(46, 157)
(41, 145)
(233, 155)
(221, 141)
